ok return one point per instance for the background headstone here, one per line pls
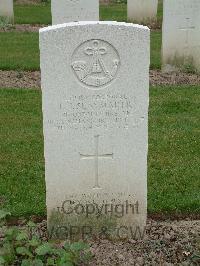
(74, 10)
(95, 111)
(181, 34)
(6, 11)
(142, 11)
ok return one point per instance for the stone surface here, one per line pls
(95, 112)
(74, 10)
(6, 11)
(181, 34)
(142, 11)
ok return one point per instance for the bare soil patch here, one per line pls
(22, 28)
(35, 28)
(31, 79)
(20, 79)
(166, 243)
(178, 78)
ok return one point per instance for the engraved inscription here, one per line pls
(95, 63)
(100, 111)
(96, 156)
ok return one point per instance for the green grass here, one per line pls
(21, 152)
(114, 12)
(174, 150)
(160, 11)
(173, 165)
(156, 43)
(20, 51)
(32, 14)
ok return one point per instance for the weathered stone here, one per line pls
(181, 35)
(95, 108)
(142, 11)
(74, 10)
(6, 11)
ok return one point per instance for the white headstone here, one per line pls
(6, 11)
(142, 11)
(181, 34)
(95, 115)
(74, 10)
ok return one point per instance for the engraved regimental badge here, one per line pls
(95, 63)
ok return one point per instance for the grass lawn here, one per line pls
(41, 13)
(156, 43)
(21, 152)
(20, 51)
(160, 11)
(32, 14)
(174, 150)
(114, 12)
(173, 174)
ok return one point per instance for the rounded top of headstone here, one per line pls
(89, 23)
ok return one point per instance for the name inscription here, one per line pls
(94, 111)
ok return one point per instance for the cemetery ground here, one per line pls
(173, 163)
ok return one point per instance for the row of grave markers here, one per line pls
(95, 99)
(180, 32)
(139, 11)
(83, 10)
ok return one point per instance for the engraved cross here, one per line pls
(96, 156)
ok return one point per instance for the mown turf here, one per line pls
(114, 12)
(160, 11)
(20, 51)
(156, 43)
(21, 152)
(174, 150)
(32, 14)
(173, 166)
